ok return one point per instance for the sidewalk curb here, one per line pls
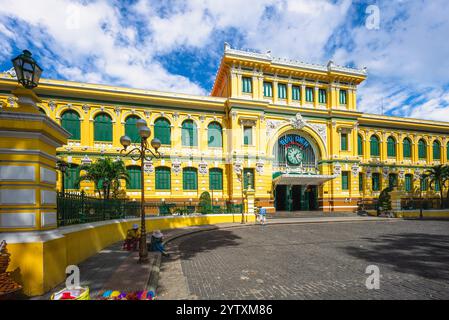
(153, 279)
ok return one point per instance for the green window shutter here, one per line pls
(374, 146)
(103, 127)
(251, 178)
(376, 181)
(162, 130)
(309, 94)
(134, 178)
(359, 145)
(343, 96)
(248, 136)
(344, 141)
(131, 129)
(360, 181)
(391, 147)
(215, 135)
(424, 184)
(322, 96)
(345, 180)
(189, 179)
(407, 146)
(267, 89)
(422, 153)
(163, 178)
(71, 176)
(189, 134)
(408, 183)
(247, 85)
(296, 93)
(70, 121)
(282, 91)
(436, 150)
(216, 179)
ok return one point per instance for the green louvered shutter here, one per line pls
(359, 145)
(392, 180)
(247, 85)
(103, 128)
(343, 96)
(408, 182)
(424, 184)
(391, 147)
(190, 179)
(70, 121)
(360, 182)
(309, 94)
(216, 179)
(134, 178)
(422, 152)
(436, 150)
(344, 141)
(131, 129)
(322, 96)
(376, 181)
(162, 131)
(345, 180)
(374, 146)
(296, 93)
(214, 135)
(163, 178)
(71, 176)
(407, 146)
(282, 91)
(267, 89)
(189, 134)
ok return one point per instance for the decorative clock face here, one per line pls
(294, 155)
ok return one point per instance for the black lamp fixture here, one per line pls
(27, 70)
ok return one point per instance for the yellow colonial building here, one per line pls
(294, 127)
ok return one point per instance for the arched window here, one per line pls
(134, 178)
(131, 129)
(70, 121)
(391, 147)
(189, 134)
(407, 148)
(436, 150)
(360, 145)
(216, 179)
(163, 178)
(214, 135)
(392, 180)
(374, 146)
(162, 130)
(189, 179)
(422, 152)
(408, 183)
(103, 127)
(71, 177)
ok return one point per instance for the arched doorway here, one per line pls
(296, 176)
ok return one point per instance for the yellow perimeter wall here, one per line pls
(40, 265)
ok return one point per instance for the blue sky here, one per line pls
(176, 45)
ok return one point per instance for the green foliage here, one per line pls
(438, 174)
(106, 175)
(385, 200)
(205, 203)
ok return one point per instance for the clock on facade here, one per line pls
(294, 155)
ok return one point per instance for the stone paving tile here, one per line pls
(314, 261)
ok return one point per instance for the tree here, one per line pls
(106, 175)
(205, 203)
(438, 175)
(385, 200)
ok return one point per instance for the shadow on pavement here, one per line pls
(425, 255)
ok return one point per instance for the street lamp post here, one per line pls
(61, 165)
(27, 70)
(140, 153)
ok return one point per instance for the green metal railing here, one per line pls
(79, 208)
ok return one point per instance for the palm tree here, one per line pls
(438, 175)
(106, 175)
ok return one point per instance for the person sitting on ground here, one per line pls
(132, 238)
(156, 242)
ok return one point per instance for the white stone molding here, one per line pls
(17, 173)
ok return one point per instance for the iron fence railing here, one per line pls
(77, 208)
(418, 203)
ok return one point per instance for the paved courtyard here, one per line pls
(310, 261)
